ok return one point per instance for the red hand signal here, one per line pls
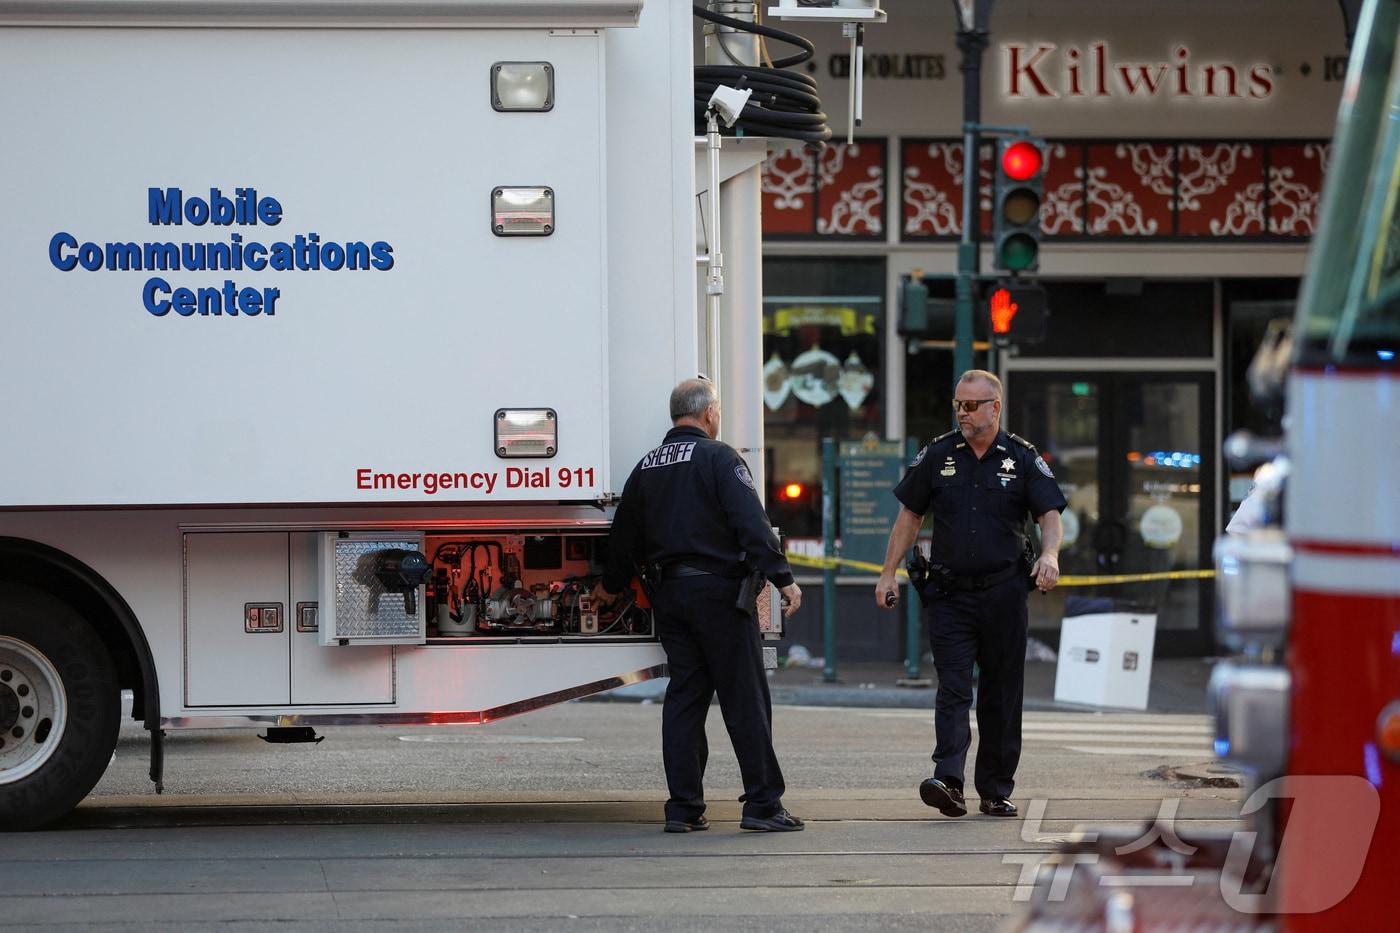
(1003, 310)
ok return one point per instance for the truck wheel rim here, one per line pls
(33, 709)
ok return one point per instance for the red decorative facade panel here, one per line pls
(1130, 189)
(1220, 189)
(1062, 212)
(789, 193)
(1134, 189)
(933, 188)
(840, 193)
(1296, 171)
(851, 194)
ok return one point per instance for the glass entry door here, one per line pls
(1135, 455)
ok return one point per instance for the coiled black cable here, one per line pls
(784, 103)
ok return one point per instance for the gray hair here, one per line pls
(691, 398)
(989, 378)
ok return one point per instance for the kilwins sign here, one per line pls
(1045, 70)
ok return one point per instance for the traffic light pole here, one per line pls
(973, 16)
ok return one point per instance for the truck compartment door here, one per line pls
(236, 619)
(320, 675)
(372, 589)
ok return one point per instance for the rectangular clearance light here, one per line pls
(522, 211)
(522, 86)
(526, 432)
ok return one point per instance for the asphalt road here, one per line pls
(552, 821)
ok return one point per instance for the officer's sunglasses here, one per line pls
(970, 404)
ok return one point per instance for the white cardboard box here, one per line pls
(1106, 659)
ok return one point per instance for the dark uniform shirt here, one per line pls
(692, 501)
(979, 506)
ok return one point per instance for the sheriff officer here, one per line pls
(690, 507)
(980, 483)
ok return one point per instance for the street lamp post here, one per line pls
(973, 16)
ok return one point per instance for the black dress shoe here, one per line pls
(1000, 806)
(780, 822)
(945, 798)
(692, 825)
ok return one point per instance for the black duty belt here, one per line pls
(699, 566)
(986, 582)
(672, 571)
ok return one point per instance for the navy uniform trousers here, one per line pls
(987, 627)
(712, 647)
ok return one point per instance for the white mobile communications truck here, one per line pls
(331, 330)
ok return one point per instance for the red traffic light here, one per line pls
(792, 491)
(1021, 160)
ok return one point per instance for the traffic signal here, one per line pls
(1018, 192)
(913, 307)
(920, 315)
(1017, 313)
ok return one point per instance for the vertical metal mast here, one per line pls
(736, 337)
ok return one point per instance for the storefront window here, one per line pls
(823, 336)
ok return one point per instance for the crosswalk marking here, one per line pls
(1122, 734)
(1086, 736)
(1125, 722)
(1137, 728)
(1158, 751)
(1104, 738)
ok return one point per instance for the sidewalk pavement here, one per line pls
(1178, 686)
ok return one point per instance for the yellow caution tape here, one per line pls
(1108, 579)
(821, 563)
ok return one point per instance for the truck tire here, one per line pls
(59, 708)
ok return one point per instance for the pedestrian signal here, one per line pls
(1018, 191)
(1017, 314)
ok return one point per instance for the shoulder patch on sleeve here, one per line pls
(919, 457)
(1043, 467)
(742, 471)
(1023, 442)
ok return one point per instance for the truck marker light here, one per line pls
(522, 87)
(522, 211)
(526, 432)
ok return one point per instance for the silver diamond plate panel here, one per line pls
(363, 608)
